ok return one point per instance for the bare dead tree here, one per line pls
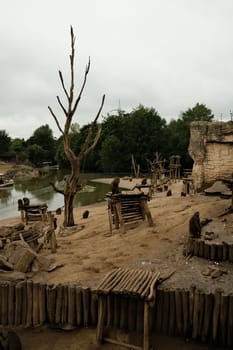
(71, 181)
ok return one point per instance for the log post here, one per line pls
(11, 304)
(4, 303)
(42, 303)
(100, 324)
(216, 313)
(59, 298)
(146, 335)
(86, 305)
(79, 306)
(29, 298)
(35, 304)
(18, 303)
(208, 312)
(147, 212)
(121, 221)
(230, 322)
(71, 305)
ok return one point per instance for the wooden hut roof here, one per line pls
(136, 282)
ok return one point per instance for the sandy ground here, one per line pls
(89, 252)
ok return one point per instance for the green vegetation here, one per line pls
(142, 132)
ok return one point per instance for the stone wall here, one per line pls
(211, 148)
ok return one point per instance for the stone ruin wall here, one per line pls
(211, 148)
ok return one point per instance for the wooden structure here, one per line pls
(129, 207)
(32, 211)
(157, 168)
(174, 167)
(139, 284)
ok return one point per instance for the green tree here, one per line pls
(18, 147)
(36, 154)
(43, 137)
(5, 142)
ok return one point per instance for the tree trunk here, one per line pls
(68, 214)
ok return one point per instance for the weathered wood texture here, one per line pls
(206, 317)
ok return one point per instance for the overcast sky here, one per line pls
(165, 54)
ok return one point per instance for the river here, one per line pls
(39, 190)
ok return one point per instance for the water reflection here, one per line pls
(39, 190)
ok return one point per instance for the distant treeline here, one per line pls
(140, 133)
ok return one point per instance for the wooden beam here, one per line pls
(129, 346)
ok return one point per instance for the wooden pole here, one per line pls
(11, 304)
(42, 303)
(18, 303)
(146, 335)
(79, 306)
(29, 297)
(100, 324)
(59, 299)
(71, 305)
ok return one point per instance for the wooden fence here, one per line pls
(206, 317)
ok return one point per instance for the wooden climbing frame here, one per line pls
(130, 207)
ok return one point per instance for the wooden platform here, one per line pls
(129, 283)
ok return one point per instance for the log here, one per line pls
(58, 307)
(213, 254)
(225, 252)
(196, 310)
(18, 303)
(196, 247)
(159, 310)
(165, 311)
(11, 304)
(4, 303)
(201, 248)
(51, 302)
(24, 303)
(201, 313)
(191, 304)
(208, 312)
(42, 303)
(179, 312)
(220, 252)
(206, 251)
(101, 316)
(71, 305)
(79, 306)
(172, 313)
(94, 309)
(86, 305)
(230, 247)
(64, 310)
(29, 297)
(185, 307)
(121, 344)
(35, 304)
(230, 322)
(224, 319)
(148, 213)
(216, 313)
(146, 335)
